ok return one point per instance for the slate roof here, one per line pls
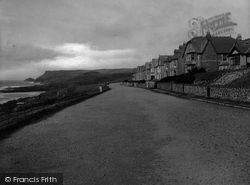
(243, 46)
(147, 65)
(168, 59)
(155, 62)
(177, 54)
(222, 45)
(162, 59)
(199, 43)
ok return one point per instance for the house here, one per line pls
(148, 71)
(161, 68)
(155, 65)
(239, 55)
(193, 51)
(215, 54)
(173, 64)
(180, 63)
(208, 52)
(167, 65)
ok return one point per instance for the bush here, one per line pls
(196, 70)
(185, 78)
(168, 79)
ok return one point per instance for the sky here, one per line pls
(44, 35)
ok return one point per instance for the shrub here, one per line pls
(169, 79)
(196, 70)
(185, 78)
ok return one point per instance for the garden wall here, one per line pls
(197, 90)
(164, 86)
(235, 94)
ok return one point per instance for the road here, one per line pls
(135, 136)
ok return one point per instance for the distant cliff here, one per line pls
(86, 76)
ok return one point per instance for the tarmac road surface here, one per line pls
(134, 136)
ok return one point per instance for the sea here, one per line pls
(4, 97)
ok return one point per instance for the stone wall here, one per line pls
(178, 87)
(144, 85)
(164, 86)
(235, 94)
(197, 90)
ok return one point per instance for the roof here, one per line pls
(199, 43)
(222, 45)
(162, 59)
(147, 65)
(243, 46)
(155, 62)
(177, 54)
(168, 59)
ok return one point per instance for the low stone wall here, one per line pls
(144, 85)
(151, 85)
(164, 86)
(235, 94)
(197, 90)
(178, 87)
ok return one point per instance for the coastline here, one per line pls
(5, 97)
(9, 85)
(38, 108)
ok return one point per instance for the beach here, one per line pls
(4, 97)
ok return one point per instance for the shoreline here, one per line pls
(24, 115)
(9, 96)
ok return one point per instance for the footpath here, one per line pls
(228, 103)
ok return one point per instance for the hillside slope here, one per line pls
(86, 76)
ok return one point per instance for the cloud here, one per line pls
(13, 55)
(54, 34)
(68, 56)
(84, 56)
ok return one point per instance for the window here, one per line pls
(175, 64)
(224, 57)
(190, 57)
(236, 60)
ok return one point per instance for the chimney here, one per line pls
(239, 37)
(208, 35)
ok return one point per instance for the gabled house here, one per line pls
(239, 55)
(193, 51)
(155, 64)
(161, 68)
(148, 70)
(167, 65)
(173, 64)
(208, 52)
(215, 53)
(152, 70)
(181, 65)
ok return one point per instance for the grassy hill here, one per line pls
(84, 77)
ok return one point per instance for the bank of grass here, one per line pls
(243, 82)
(32, 115)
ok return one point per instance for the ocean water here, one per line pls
(4, 97)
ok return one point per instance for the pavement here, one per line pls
(228, 103)
(135, 136)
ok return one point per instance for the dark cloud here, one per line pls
(14, 54)
(151, 27)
